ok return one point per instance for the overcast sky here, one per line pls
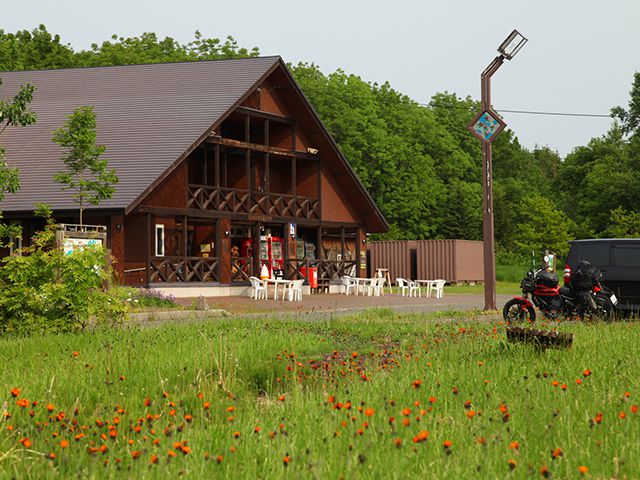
(580, 58)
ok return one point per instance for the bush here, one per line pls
(143, 298)
(44, 290)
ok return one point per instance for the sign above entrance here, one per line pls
(259, 218)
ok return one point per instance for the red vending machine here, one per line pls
(270, 254)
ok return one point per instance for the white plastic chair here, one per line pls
(437, 286)
(403, 285)
(258, 288)
(348, 284)
(375, 287)
(293, 291)
(414, 289)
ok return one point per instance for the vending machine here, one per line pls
(270, 253)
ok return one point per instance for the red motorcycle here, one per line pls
(540, 288)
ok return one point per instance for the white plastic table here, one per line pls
(276, 282)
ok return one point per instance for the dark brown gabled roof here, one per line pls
(149, 117)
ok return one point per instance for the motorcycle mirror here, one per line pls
(546, 258)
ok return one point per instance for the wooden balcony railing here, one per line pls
(241, 269)
(183, 269)
(255, 203)
(327, 269)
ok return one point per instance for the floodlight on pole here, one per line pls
(486, 126)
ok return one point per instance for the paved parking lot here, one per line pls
(337, 303)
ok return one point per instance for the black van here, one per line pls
(619, 261)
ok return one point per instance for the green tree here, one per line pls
(541, 225)
(13, 113)
(87, 174)
(32, 50)
(623, 224)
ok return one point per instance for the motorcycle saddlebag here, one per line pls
(547, 279)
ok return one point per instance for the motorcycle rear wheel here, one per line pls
(516, 311)
(605, 309)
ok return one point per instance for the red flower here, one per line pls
(15, 392)
(369, 412)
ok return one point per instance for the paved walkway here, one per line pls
(336, 303)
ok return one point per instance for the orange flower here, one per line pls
(598, 418)
(586, 373)
(421, 437)
(14, 392)
(447, 444)
(122, 378)
(75, 354)
(281, 398)
(627, 394)
(369, 412)
(236, 434)
(188, 418)
(206, 405)
(136, 454)
(52, 456)
(171, 453)
(583, 470)
(512, 464)
(544, 471)
(286, 460)
(154, 459)
(622, 415)
(64, 443)
(470, 414)
(406, 412)
(50, 408)
(23, 402)
(257, 429)
(555, 383)
(556, 453)
(354, 355)
(397, 442)
(147, 402)
(406, 422)
(564, 386)
(26, 443)
(514, 445)
(416, 384)
(578, 381)
(634, 408)
(432, 399)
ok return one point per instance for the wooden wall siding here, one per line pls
(335, 206)
(280, 174)
(237, 172)
(280, 135)
(117, 245)
(270, 99)
(307, 180)
(225, 251)
(172, 192)
(202, 234)
(135, 240)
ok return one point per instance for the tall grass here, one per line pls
(330, 399)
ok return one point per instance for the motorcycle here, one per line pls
(540, 288)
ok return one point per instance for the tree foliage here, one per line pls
(87, 174)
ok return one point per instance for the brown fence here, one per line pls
(451, 260)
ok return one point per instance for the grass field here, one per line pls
(378, 395)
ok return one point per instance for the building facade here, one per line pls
(224, 167)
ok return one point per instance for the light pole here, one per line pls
(486, 126)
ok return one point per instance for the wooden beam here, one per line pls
(319, 185)
(148, 252)
(267, 175)
(228, 142)
(208, 214)
(293, 138)
(216, 165)
(266, 132)
(205, 152)
(342, 242)
(247, 129)
(293, 176)
(250, 178)
(319, 251)
(185, 241)
(266, 115)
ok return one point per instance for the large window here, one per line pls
(159, 240)
(596, 253)
(626, 255)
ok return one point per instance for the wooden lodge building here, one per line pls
(213, 158)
